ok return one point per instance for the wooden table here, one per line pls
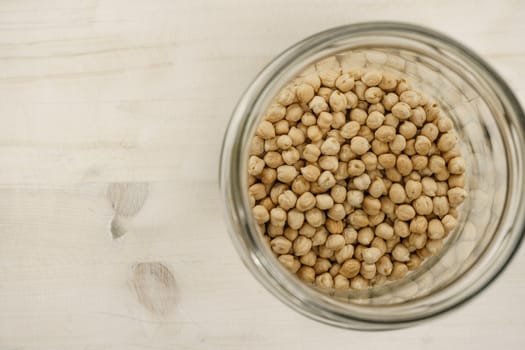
(111, 227)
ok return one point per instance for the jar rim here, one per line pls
(232, 182)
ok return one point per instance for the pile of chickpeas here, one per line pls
(354, 178)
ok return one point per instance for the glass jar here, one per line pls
(490, 125)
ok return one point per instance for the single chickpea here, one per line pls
(365, 236)
(320, 237)
(389, 100)
(358, 115)
(337, 212)
(295, 219)
(405, 212)
(393, 175)
(401, 229)
(371, 255)
(330, 147)
(351, 99)
(311, 172)
(280, 245)
(397, 193)
(344, 253)
(306, 274)
(446, 142)
(308, 119)
(358, 219)
(350, 234)
(265, 130)
(291, 156)
(282, 127)
(384, 231)
(404, 164)
(334, 226)
(384, 266)
(350, 268)
(346, 154)
(291, 234)
(328, 77)
(401, 111)
(359, 145)
(368, 271)
(337, 101)
(373, 95)
(257, 146)
(294, 113)
(305, 202)
(305, 93)
(287, 200)
(315, 217)
(335, 242)
(440, 206)
(436, 164)
(326, 180)
(411, 98)
(286, 173)
(341, 282)
(344, 83)
(300, 185)
(314, 133)
(350, 129)
(444, 124)
(362, 182)
(456, 196)
(324, 281)
(389, 82)
(408, 130)
(414, 262)
(400, 253)
(456, 180)
(377, 188)
(371, 205)
(387, 161)
(258, 191)
(398, 144)
(359, 283)
(309, 259)
(260, 214)
(399, 270)
(328, 163)
(418, 116)
(290, 262)
(390, 120)
(370, 161)
(423, 205)
(275, 113)
(255, 165)
(434, 246)
(376, 107)
(355, 198)
(441, 188)
(302, 245)
(449, 222)
(375, 120)
(311, 153)
(372, 78)
(307, 230)
(422, 145)
(322, 265)
(456, 165)
(379, 147)
(385, 133)
(419, 162)
(356, 167)
(318, 105)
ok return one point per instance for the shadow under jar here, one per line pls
(490, 126)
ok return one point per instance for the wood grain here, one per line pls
(95, 93)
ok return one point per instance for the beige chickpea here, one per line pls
(409, 97)
(413, 189)
(265, 130)
(334, 226)
(404, 164)
(314, 133)
(325, 253)
(441, 188)
(286, 173)
(275, 112)
(385, 133)
(311, 172)
(330, 147)
(284, 142)
(397, 193)
(255, 165)
(324, 121)
(280, 245)
(418, 116)
(295, 219)
(307, 230)
(389, 100)
(359, 145)
(402, 86)
(456, 196)
(355, 198)
(375, 120)
(384, 266)
(350, 129)
(320, 237)
(337, 212)
(315, 217)
(440, 206)
(344, 83)
(273, 159)
(322, 265)
(291, 156)
(405, 212)
(306, 274)
(337, 101)
(282, 127)
(309, 259)
(367, 270)
(422, 145)
(436, 230)
(335, 242)
(325, 92)
(408, 130)
(390, 120)
(393, 175)
(399, 270)
(287, 200)
(294, 113)
(423, 205)
(456, 165)
(351, 99)
(300, 185)
(302, 245)
(362, 182)
(444, 124)
(305, 93)
(358, 219)
(290, 233)
(372, 78)
(400, 253)
(429, 186)
(305, 202)
(290, 262)
(373, 95)
(350, 268)
(387, 161)
(446, 142)
(365, 236)
(341, 282)
(324, 281)
(374, 220)
(401, 228)
(350, 234)
(419, 224)
(377, 188)
(359, 283)
(326, 180)
(419, 162)
(434, 246)
(328, 77)
(371, 205)
(278, 217)
(308, 119)
(398, 144)
(258, 191)
(358, 115)
(338, 120)
(344, 253)
(260, 214)
(371, 255)
(356, 167)
(370, 161)
(268, 176)
(318, 105)
(401, 111)
(311, 153)
(376, 107)
(328, 163)
(267, 203)
(436, 164)
(384, 231)
(388, 82)
(257, 146)
(449, 222)
(346, 154)
(414, 262)
(379, 147)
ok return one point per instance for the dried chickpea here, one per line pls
(305, 93)
(350, 268)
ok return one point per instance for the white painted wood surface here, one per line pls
(137, 94)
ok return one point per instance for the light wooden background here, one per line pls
(111, 119)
